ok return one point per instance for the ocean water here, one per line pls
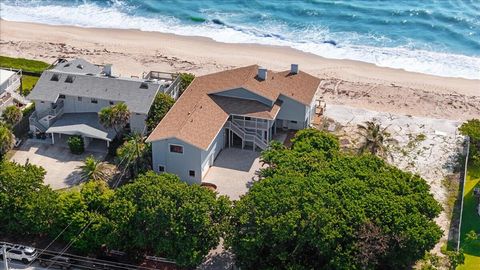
(439, 37)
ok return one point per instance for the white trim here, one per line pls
(174, 144)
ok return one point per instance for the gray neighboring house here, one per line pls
(69, 96)
(242, 108)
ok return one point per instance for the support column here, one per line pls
(53, 138)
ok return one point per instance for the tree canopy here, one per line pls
(318, 208)
(186, 80)
(161, 105)
(159, 214)
(26, 205)
(155, 215)
(12, 115)
(471, 128)
(7, 139)
(115, 116)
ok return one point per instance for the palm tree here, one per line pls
(115, 116)
(12, 115)
(7, 140)
(93, 169)
(375, 138)
(133, 154)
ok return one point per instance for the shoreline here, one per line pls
(345, 82)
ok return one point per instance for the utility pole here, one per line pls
(5, 262)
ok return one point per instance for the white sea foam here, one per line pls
(91, 15)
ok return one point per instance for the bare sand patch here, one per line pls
(425, 146)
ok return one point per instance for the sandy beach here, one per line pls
(344, 82)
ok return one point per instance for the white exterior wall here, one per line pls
(209, 156)
(292, 110)
(176, 163)
(85, 105)
(41, 107)
(72, 104)
(137, 123)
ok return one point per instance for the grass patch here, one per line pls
(28, 82)
(23, 64)
(470, 220)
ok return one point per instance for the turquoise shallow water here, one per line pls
(439, 37)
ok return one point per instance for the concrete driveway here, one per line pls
(61, 165)
(234, 171)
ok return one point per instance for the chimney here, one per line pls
(294, 69)
(107, 69)
(262, 73)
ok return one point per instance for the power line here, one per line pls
(90, 222)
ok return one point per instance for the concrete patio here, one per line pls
(234, 171)
(61, 165)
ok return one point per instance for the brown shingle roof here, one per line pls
(198, 115)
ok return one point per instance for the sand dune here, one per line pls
(345, 82)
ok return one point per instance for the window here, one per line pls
(16, 252)
(42, 101)
(94, 101)
(293, 122)
(176, 148)
(248, 118)
(144, 85)
(61, 96)
(69, 79)
(191, 173)
(161, 168)
(111, 102)
(55, 77)
(79, 98)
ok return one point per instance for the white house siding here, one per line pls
(209, 156)
(292, 110)
(245, 94)
(137, 122)
(41, 106)
(74, 104)
(176, 163)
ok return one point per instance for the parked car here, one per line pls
(20, 253)
(60, 262)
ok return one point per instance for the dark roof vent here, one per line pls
(69, 79)
(79, 66)
(144, 85)
(55, 77)
(66, 65)
(294, 69)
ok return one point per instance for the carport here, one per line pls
(83, 124)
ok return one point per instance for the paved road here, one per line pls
(14, 265)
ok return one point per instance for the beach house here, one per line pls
(242, 108)
(10, 83)
(69, 96)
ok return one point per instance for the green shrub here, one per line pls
(186, 78)
(76, 144)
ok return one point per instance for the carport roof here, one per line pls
(85, 124)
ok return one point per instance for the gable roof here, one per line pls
(138, 94)
(78, 65)
(199, 114)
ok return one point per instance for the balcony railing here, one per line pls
(251, 124)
